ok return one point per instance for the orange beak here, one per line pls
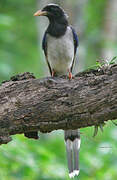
(40, 13)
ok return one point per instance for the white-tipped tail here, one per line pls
(76, 172)
(71, 175)
(72, 139)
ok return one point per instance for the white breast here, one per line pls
(61, 52)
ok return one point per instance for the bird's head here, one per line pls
(53, 12)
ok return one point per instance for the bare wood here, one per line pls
(28, 104)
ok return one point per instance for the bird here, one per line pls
(60, 42)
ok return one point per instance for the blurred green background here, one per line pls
(20, 51)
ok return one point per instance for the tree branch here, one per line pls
(29, 104)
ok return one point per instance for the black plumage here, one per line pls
(58, 20)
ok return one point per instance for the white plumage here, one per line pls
(61, 52)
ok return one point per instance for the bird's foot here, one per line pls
(70, 76)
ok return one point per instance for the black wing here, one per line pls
(44, 47)
(75, 38)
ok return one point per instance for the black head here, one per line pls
(52, 11)
(57, 17)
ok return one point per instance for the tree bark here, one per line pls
(28, 104)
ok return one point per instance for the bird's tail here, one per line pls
(72, 139)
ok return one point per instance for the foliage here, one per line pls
(100, 64)
(45, 159)
(18, 39)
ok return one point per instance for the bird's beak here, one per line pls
(40, 13)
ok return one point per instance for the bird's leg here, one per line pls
(53, 72)
(70, 74)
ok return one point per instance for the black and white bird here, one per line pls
(60, 44)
